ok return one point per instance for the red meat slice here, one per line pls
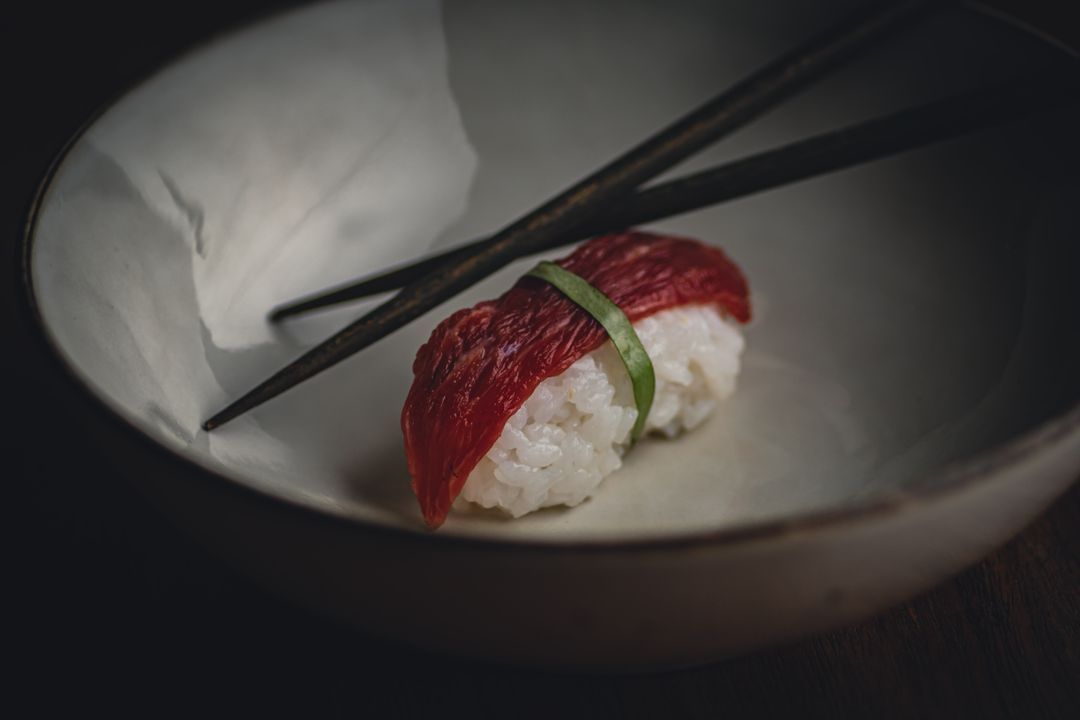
(481, 364)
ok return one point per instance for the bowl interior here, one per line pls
(909, 313)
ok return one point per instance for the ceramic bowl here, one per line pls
(909, 394)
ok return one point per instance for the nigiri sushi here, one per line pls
(530, 401)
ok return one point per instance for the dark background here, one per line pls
(112, 607)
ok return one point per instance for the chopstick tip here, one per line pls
(223, 416)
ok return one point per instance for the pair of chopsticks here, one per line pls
(605, 200)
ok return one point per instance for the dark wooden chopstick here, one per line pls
(836, 150)
(723, 114)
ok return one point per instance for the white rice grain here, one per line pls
(573, 430)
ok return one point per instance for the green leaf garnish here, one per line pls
(618, 328)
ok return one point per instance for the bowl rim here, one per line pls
(949, 481)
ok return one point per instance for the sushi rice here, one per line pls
(574, 429)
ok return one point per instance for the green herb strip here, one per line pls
(618, 328)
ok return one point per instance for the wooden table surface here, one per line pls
(112, 603)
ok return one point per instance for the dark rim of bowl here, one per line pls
(947, 482)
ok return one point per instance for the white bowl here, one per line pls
(909, 395)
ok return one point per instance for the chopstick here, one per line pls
(836, 150)
(721, 115)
